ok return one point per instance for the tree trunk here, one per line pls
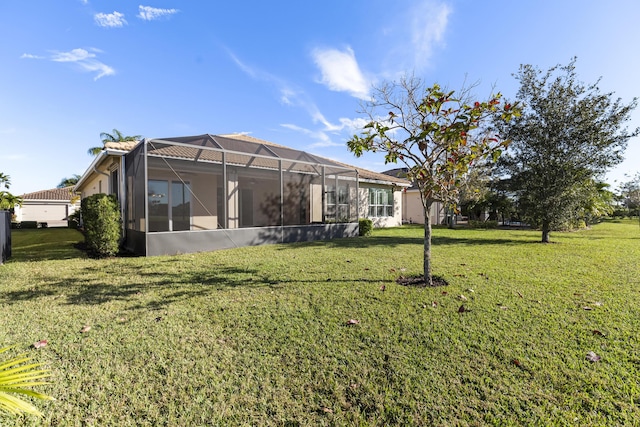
(545, 231)
(428, 280)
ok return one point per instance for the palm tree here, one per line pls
(9, 201)
(116, 136)
(17, 376)
(5, 180)
(68, 182)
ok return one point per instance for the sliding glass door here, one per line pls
(164, 194)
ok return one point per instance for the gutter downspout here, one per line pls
(95, 169)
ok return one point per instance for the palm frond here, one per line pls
(16, 374)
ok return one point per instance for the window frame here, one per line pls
(381, 203)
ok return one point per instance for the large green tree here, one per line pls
(569, 134)
(437, 134)
(115, 136)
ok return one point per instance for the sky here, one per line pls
(291, 72)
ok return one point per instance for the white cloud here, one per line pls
(110, 20)
(322, 139)
(74, 55)
(288, 95)
(340, 71)
(84, 59)
(30, 56)
(428, 25)
(297, 98)
(149, 13)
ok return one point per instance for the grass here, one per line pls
(259, 336)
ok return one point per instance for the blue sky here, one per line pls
(291, 72)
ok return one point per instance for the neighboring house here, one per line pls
(412, 210)
(207, 192)
(50, 207)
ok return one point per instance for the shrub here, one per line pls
(483, 224)
(74, 220)
(102, 224)
(365, 226)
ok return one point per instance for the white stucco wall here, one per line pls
(387, 221)
(413, 211)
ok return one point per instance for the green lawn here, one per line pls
(259, 336)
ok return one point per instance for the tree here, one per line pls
(630, 193)
(116, 136)
(437, 135)
(68, 182)
(7, 200)
(569, 134)
(5, 181)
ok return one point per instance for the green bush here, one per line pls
(102, 224)
(365, 226)
(74, 220)
(483, 224)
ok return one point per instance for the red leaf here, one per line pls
(40, 344)
(516, 362)
(597, 332)
(434, 304)
(462, 309)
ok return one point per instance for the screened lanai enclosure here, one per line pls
(207, 192)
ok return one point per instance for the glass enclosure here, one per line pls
(210, 182)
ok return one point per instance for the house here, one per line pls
(412, 210)
(50, 208)
(208, 192)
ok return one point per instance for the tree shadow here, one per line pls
(389, 241)
(86, 290)
(46, 244)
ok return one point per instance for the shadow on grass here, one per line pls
(392, 242)
(149, 287)
(148, 283)
(45, 244)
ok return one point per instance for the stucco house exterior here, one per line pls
(207, 192)
(51, 207)
(412, 211)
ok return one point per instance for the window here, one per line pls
(380, 202)
(161, 218)
(340, 211)
(114, 183)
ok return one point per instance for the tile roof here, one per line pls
(124, 145)
(54, 194)
(363, 173)
(187, 152)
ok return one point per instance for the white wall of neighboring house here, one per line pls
(53, 212)
(413, 211)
